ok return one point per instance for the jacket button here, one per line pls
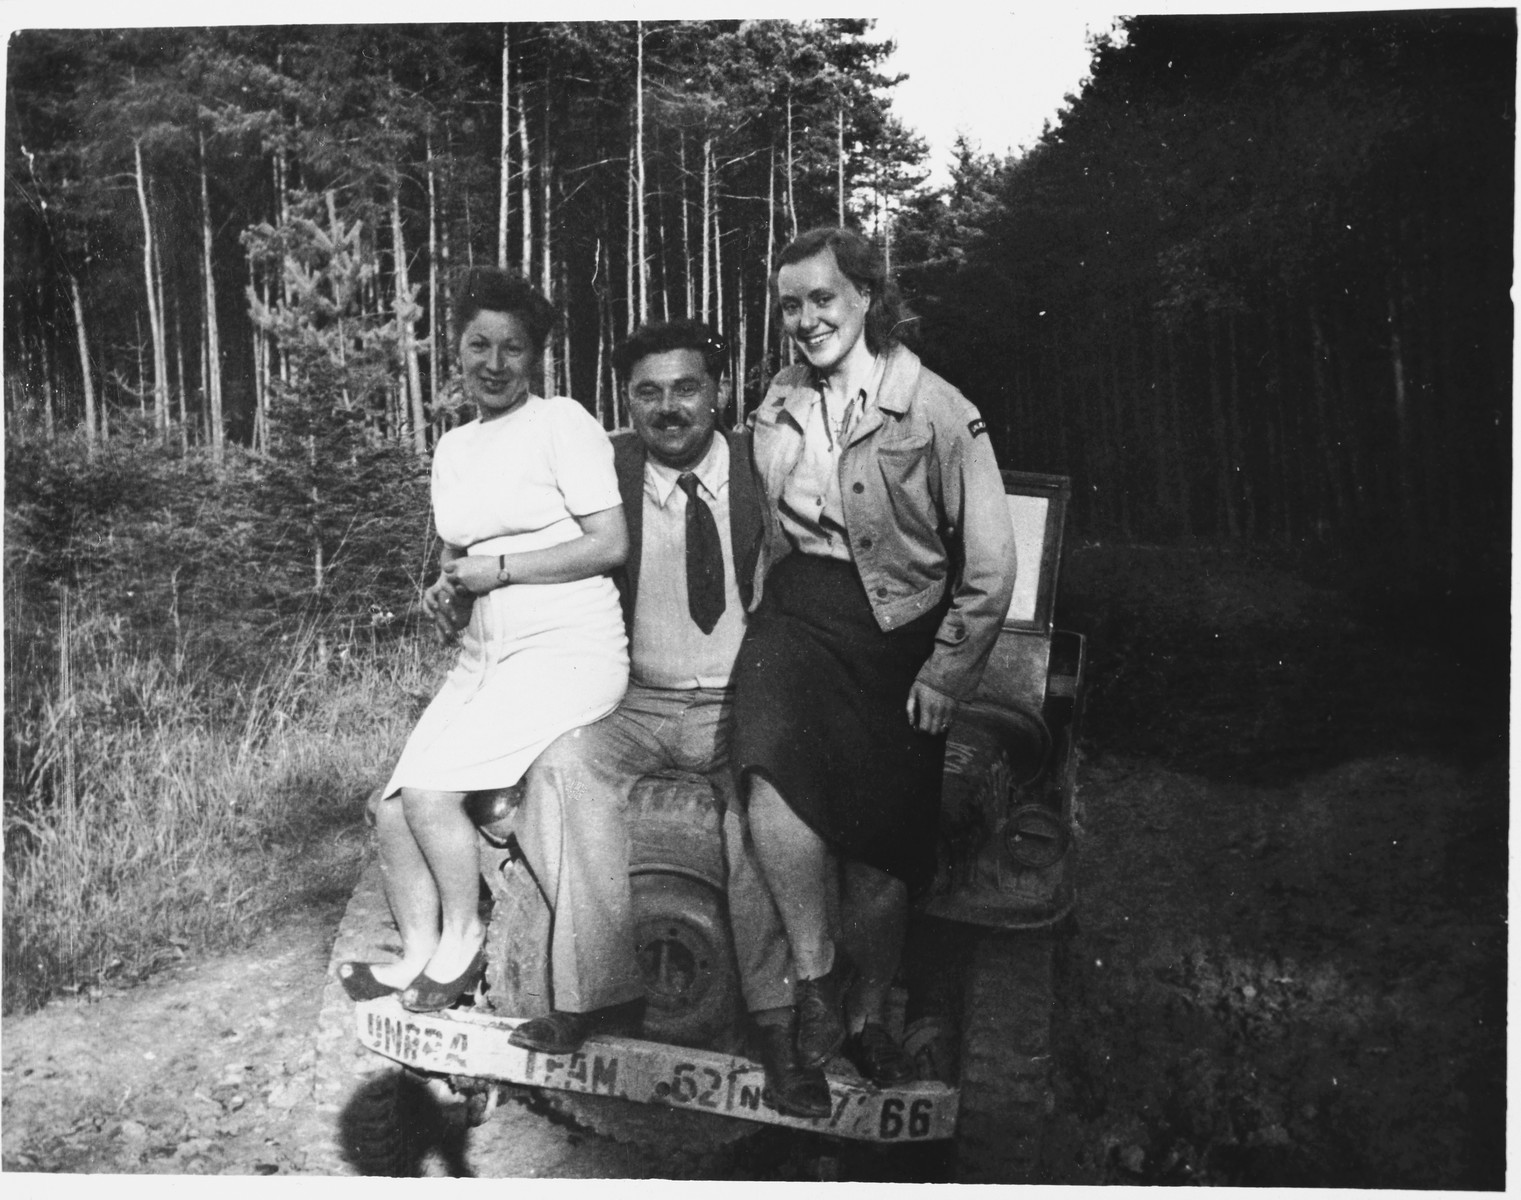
(865, 543)
(858, 488)
(881, 593)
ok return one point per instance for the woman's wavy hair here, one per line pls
(860, 262)
(491, 289)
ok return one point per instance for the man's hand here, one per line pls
(448, 607)
(929, 711)
(474, 574)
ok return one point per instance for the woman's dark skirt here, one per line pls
(820, 708)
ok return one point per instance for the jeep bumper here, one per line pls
(461, 1042)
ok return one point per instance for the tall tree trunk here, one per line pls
(261, 371)
(406, 321)
(738, 374)
(84, 358)
(770, 266)
(644, 265)
(470, 232)
(547, 272)
(564, 290)
(686, 236)
(213, 371)
(791, 199)
(839, 146)
(602, 332)
(277, 289)
(335, 231)
(707, 220)
(205, 418)
(142, 370)
(179, 362)
(525, 185)
(631, 250)
(662, 231)
(718, 269)
(503, 170)
(435, 342)
(161, 410)
(441, 340)
(47, 387)
(319, 563)
(155, 323)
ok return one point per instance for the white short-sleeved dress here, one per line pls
(536, 659)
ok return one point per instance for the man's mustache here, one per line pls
(670, 421)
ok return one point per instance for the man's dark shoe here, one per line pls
(820, 1022)
(795, 1089)
(877, 1055)
(563, 1032)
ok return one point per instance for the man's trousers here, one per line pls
(575, 836)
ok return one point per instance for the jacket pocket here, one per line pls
(905, 469)
(906, 447)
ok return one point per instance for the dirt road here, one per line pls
(206, 1069)
(246, 1064)
(230, 1066)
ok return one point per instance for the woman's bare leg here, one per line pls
(794, 861)
(446, 838)
(410, 891)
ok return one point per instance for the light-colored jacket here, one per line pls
(924, 509)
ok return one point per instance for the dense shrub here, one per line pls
(194, 563)
(181, 689)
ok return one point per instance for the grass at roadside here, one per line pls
(169, 809)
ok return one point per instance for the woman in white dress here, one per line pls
(526, 503)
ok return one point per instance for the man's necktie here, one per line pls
(705, 559)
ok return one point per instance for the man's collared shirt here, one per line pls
(669, 650)
(811, 512)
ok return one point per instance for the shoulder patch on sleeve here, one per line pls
(977, 426)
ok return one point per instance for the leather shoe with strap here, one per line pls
(820, 1019)
(877, 1055)
(795, 1089)
(563, 1032)
(426, 994)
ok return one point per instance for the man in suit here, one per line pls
(692, 504)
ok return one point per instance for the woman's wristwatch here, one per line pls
(502, 574)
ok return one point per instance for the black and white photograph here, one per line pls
(919, 595)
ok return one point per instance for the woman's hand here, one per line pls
(448, 607)
(929, 711)
(475, 574)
